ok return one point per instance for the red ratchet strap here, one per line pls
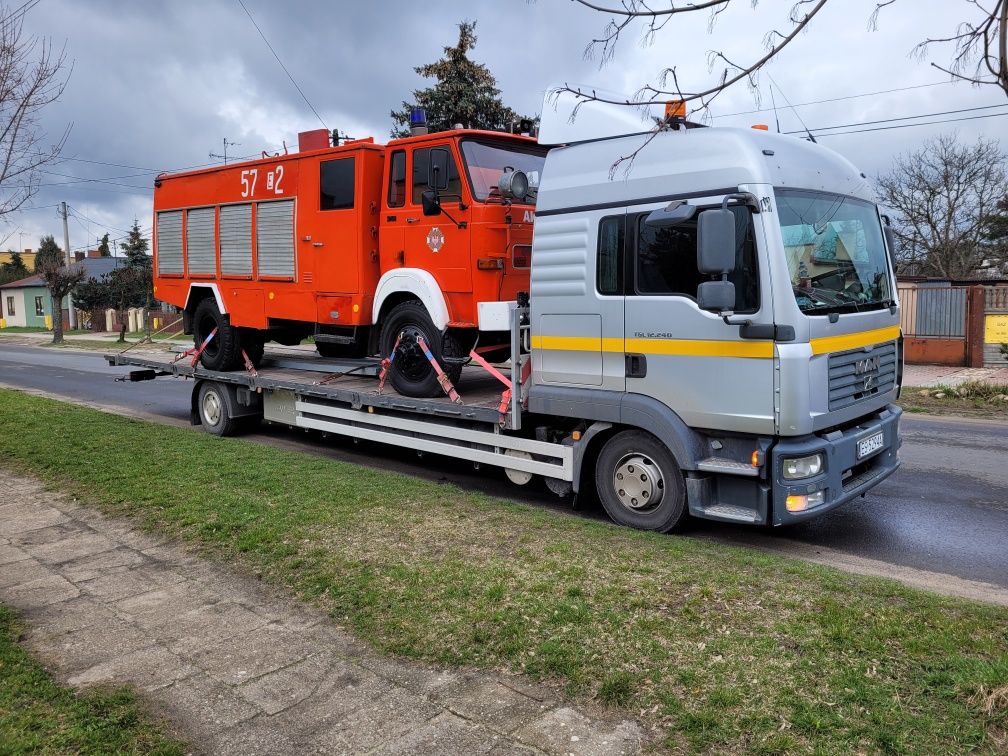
(386, 364)
(505, 401)
(249, 366)
(194, 352)
(442, 377)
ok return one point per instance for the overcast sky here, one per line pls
(159, 85)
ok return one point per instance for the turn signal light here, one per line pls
(490, 263)
(761, 127)
(675, 109)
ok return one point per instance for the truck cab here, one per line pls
(732, 297)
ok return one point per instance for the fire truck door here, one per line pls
(326, 229)
(434, 242)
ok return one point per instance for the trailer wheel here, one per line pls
(214, 407)
(411, 373)
(224, 350)
(639, 482)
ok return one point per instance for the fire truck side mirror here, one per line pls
(431, 205)
(437, 177)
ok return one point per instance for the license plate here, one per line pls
(870, 445)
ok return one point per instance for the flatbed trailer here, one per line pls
(345, 397)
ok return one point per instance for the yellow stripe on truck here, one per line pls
(854, 340)
(762, 350)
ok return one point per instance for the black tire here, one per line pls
(655, 498)
(253, 341)
(411, 373)
(214, 407)
(224, 350)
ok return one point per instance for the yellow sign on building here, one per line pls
(996, 329)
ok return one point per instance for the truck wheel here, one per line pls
(639, 482)
(215, 409)
(412, 374)
(224, 350)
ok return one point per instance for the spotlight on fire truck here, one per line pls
(418, 121)
(513, 184)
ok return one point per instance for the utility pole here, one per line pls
(227, 143)
(66, 246)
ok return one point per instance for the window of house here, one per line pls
(397, 179)
(39, 309)
(10, 306)
(336, 184)
(609, 266)
(666, 261)
(421, 176)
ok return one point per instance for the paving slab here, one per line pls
(239, 667)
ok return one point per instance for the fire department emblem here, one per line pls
(435, 239)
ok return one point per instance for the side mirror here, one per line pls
(437, 176)
(890, 240)
(431, 205)
(716, 242)
(716, 296)
(673, 215)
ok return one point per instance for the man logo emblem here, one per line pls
(867, 365)
(869, 382)
(435, 239)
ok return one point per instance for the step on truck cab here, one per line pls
(714, 332)
(729, 303)
(354, 244)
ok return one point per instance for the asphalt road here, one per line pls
(945, 511)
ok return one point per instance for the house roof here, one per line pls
(24, 283)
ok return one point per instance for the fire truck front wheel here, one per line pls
(224, 350)
(411, 373)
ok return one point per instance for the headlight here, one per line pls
(803, 467)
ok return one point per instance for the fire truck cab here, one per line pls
(358, 245)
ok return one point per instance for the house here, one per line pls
(27, 302)
(27, 257)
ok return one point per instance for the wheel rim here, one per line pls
(211, 408)
(411, 362)
(638, 483)
(206, 324)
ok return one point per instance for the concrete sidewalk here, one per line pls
(933, 375)
(239, 668)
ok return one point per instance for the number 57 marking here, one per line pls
(248, 182)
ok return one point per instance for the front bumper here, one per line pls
(844, 475)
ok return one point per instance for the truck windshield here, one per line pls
(487, 160)
(835, 251)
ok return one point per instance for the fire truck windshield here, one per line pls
(486, 161)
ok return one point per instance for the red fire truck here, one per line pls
(359, 245)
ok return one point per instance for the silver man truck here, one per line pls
(714, 333)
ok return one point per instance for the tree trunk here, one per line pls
(57, 320)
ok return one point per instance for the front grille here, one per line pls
(861, 374)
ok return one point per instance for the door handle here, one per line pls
(412, 220)
(636, 365)
(317, 244)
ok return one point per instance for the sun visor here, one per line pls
(560, 124)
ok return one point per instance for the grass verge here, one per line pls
(39, 716)
(971, 399)
(719, 648)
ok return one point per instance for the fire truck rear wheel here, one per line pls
(224, 350)
(639, 482)
(411, 373)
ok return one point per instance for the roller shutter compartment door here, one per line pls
(275, 238)
(200, 241)
(169, 242)
(236, 240)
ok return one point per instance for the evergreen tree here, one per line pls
(465, 92)
(49, 255)
(135, 248)
(103, 246)
(14, 270)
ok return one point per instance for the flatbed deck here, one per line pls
(350, 381)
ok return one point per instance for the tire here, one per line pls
(253, 341)
(639, 482)
(214, 407)
(411, 373)
(224, 350)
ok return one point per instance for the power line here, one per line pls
(921, 123)
(902, 118)
(242, 4)
(839, 99)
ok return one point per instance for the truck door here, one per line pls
(328, 223)
(687, 358)
(433, 242)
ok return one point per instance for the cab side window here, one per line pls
(666, 261)
(397, 179)
(421, 175)
(609, 265)
(336, 184)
